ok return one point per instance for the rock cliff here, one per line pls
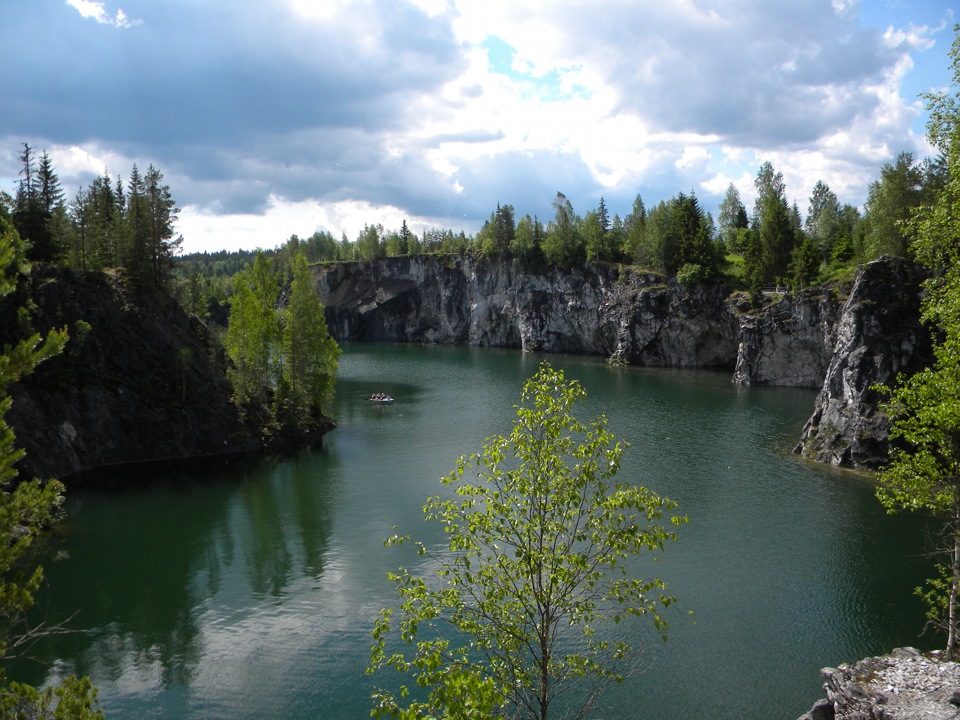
(904, 685)
(878, 336)
(627, 316)
(838, 340)
(790, 341)
(137, 381)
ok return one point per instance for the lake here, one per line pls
(248, 589)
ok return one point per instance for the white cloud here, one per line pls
(338, 113)
(206, 232)
(97, 11)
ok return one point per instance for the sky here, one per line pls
(270, 118)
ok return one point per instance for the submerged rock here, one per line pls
(904, 685)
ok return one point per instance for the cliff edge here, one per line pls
(878, 336)
(838, 340)
(138, 381)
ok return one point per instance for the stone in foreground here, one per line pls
(904, 685)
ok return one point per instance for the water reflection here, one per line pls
(157, 564)
(249, 591)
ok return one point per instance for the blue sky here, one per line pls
(287, 116)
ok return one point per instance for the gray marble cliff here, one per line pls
(841, 341)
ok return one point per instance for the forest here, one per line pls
(130, 229)
(771, 244)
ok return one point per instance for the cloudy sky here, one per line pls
(274, 117)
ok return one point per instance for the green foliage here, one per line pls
(310, 355)
(26, 508)
(691, 274)
(498, 233)
(805, 263)
(923, 472)
(539, 553)
(253, 332)
(889, 204)
(563, 245)
(775, 226)
(635, 228)
(370, 243)
(733, 219)
(823, 224)
(677, 233)
(75, 699)
(528, 241)
(283, 358)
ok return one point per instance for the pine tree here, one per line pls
(106, 226)
(48, 184)
(80, 217)
(163, 242)
(404, 238)
(774, 223)
(635, 224)
(29, 215)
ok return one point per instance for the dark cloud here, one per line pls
(754, 73)
(239, 103)
(216, 73)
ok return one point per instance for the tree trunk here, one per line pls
(954, 582)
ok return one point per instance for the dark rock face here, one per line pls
(789, 342)
(630, 317)
(878, 336)
(904, 685)
(815, 339)
(142, 384)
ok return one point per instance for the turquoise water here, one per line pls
(248, 589)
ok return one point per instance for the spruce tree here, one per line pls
(29, 215)
(163, 242)
(27, 507)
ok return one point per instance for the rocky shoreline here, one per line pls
(904, 685)
(139, 381)
(839, 340)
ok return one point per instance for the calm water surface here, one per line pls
(248, 590)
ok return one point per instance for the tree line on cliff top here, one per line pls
(130, 228)
(769, 244)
